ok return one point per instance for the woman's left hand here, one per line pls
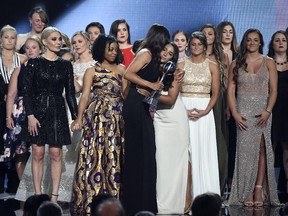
(263, 117)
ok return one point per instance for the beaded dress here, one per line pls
(252, 98)
(205, 175)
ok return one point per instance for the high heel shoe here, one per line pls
(259, 203)
(249, 203)
(55, 197)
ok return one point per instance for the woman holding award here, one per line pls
(172, 144)
(140, 164)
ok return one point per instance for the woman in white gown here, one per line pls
(201, 77)
(172, 145)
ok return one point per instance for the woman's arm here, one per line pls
(215, 86)
(77, 85)
(70, 90)
(11, 95)
(142, 58)
(173, 92)
(28, 86)
(273, 83)
(240, 120)
(87, 83)
(231, 90)
(125, 86)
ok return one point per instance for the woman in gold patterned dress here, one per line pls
(99, 164)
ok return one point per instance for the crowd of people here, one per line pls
(78, 107)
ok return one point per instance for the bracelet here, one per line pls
(9, 117)
(268, 111)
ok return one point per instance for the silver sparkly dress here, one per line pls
(252, 98)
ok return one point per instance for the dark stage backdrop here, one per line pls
(189, 15)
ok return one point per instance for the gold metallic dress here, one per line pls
(101, 149)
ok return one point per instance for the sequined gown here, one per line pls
(140, 164)
(252, 98)
(205, 175)
(98, 168)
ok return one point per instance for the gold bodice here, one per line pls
(197, 77)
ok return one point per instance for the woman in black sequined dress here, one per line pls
(45, 79)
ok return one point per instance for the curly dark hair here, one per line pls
(99, 46)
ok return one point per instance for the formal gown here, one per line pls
(98, 169)
(140, 163)
(252, 98)
(205, 175)
(172, 156)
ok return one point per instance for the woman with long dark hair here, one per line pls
(255, 77)
(140, 163)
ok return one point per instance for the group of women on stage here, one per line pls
(150, 160)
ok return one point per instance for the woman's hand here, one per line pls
(10, 123)
(240, 121)
(179, 74)
(142, 91)
(33, 125)
(195, 114)
(263, 117)
(157, 86)
(76, 125)
(227, 113)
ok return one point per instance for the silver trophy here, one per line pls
(168, 69)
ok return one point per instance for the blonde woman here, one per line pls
(46, 78)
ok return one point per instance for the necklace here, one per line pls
(280, 63)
